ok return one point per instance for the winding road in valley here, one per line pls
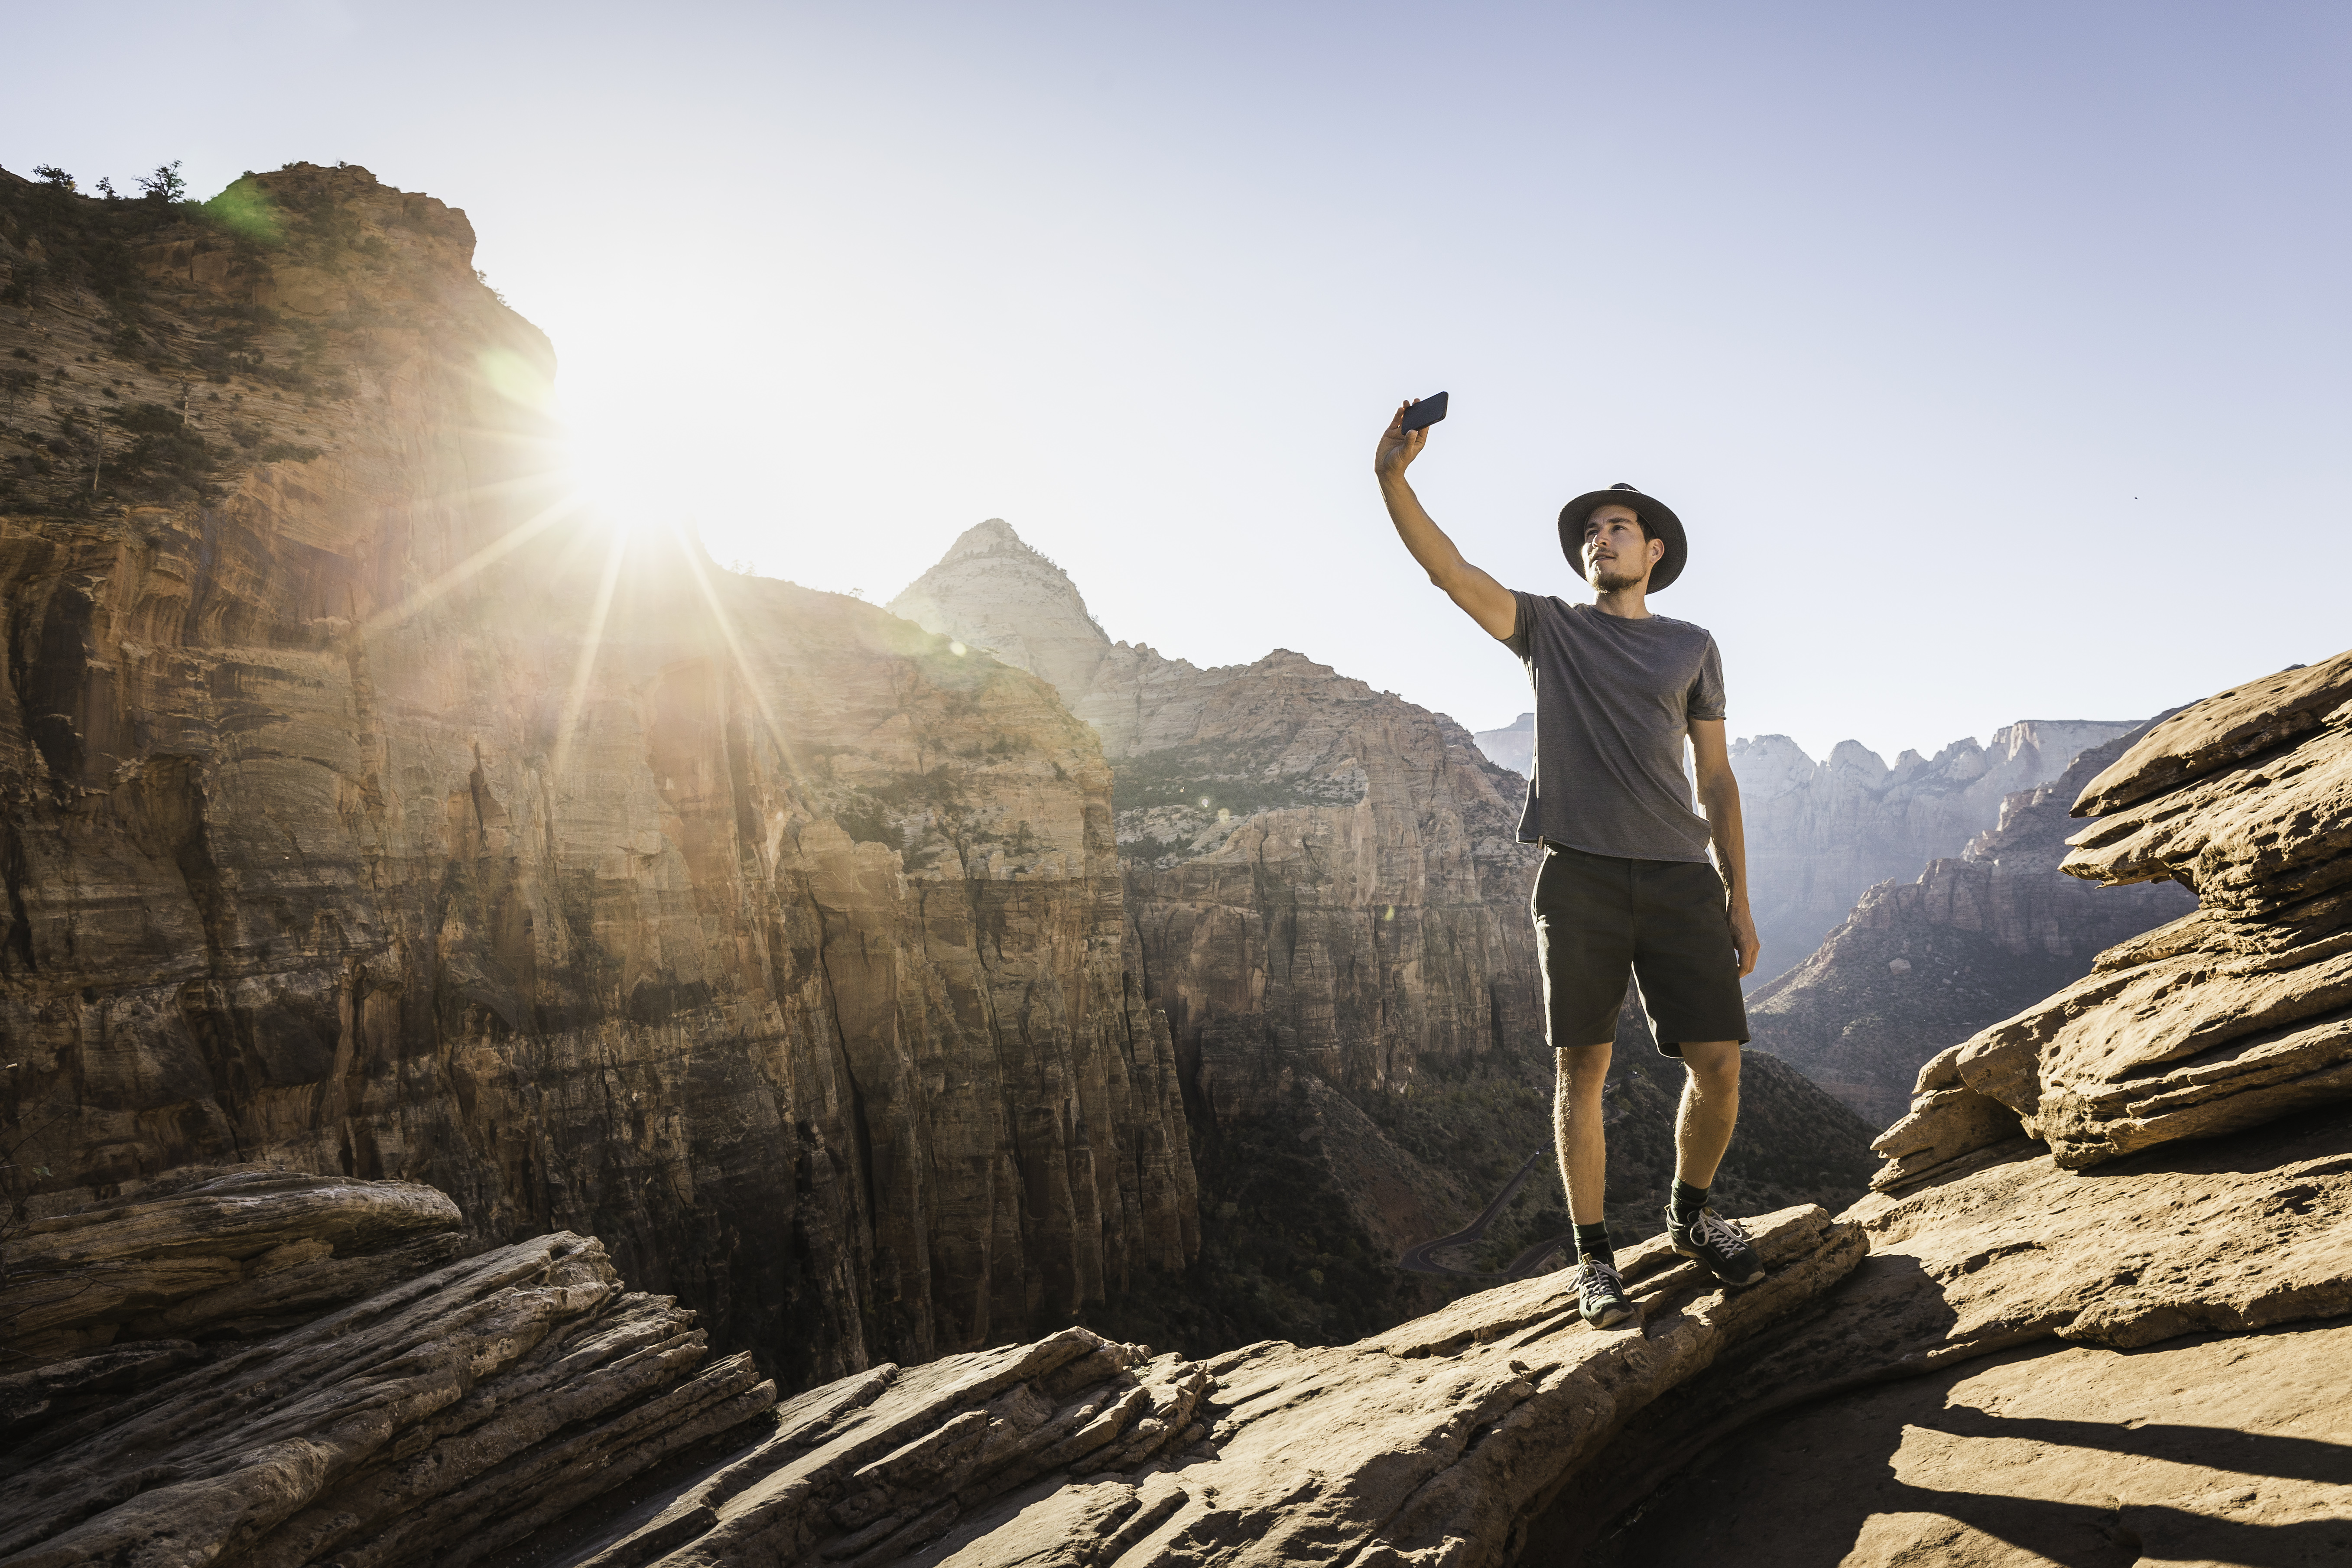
(1422, 1257)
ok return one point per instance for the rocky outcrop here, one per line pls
(2207, 1451)
(2011, 1255)
(1821, 834)
(1975, 938)
(369, 806)
(1434, 1443)
(2224, 1020)
(276, 1369)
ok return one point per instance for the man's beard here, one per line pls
(1609, 579)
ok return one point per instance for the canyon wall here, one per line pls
(369, 806)
(1922, 963)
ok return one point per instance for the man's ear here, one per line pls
(1657, 551)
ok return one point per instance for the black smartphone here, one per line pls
(1425, 413)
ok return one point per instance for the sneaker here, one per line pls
(1717, 1243)
(1601, 1295)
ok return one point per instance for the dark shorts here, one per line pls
(1667, 921)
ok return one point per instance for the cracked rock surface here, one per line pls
(300, 1369)
(1434, 1443)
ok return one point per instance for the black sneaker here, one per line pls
(1601, 1295)
(1717, 1243)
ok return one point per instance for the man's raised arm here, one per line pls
(1482, 598)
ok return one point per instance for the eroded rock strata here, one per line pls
(1431, 1442)
(1920, 964)
(2227, 1017)
(270, 1369)
(369, 807)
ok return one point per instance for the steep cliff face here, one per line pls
(1822, 834)
(370, 807)
(1919, 964)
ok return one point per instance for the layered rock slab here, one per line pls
(2225, 1018)
(2201, 1451)
(449, 1409)
(1433, 1442)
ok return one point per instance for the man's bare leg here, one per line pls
(1710, 1108)
(1582, 1074)
(1703, 1127)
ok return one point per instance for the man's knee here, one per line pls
(1584, 1069)
(1713, 1066)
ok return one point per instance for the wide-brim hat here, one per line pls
(1657, 514)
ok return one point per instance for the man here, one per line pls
(1625, 882)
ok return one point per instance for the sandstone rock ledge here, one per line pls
(2224, 1020)
(274, 1369)
(1433, 1444)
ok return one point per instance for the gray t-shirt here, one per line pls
(1614, 698)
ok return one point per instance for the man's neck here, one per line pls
(1626, 603)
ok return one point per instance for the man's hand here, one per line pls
(1744, 938)
(1399, 446)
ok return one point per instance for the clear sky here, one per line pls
(1995, 356)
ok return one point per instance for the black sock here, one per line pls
(1687, 1201)
(1592, 1242)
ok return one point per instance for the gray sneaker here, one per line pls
(1601, 1295)
(1719, 1245)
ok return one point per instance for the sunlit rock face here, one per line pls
(1821, 834)
(373, 812)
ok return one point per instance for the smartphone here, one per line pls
(1425, 413)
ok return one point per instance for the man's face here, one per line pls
(1616, 556)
